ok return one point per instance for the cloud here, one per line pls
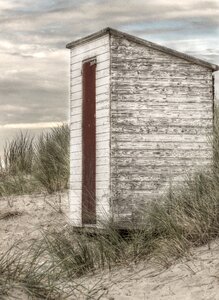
(90, 15)
(36, 81)
(35, 64)
(54, 23)
(38, 125)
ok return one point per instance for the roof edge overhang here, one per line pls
(146, 43)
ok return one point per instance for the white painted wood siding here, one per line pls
(161, 112)
(98, 48)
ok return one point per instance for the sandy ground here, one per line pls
(194, 279)
(23, 217)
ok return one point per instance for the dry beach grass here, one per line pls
(193, 277)
(174, 255)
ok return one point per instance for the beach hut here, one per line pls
(140, 114)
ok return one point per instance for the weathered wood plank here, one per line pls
(161, 161)
(171, 114)
(102, 170)
(136, 197)
(166, 129)
(163, 138)
(104, 89)
(75, 155)
(100, 185)
(150, 66)
(77, 78)
(100, 121)
(104, 104)
(102, 136)
(101, 82)
(88, 47)
(147, 177)
(139, 105)
(158, 121)
(102, 113)
(99, 177)
(160, 145)
(166, 170)
(160, 73)
(104, 62)
(99, 98)
(101, 161)
(99, 130)
(151, 175)
(153, 98)
(102, 145)
(129, 201)
(168, 88)
(161, 114)
(153, 81)
(141, 185)
(76, 84)
(96, 51)
(153, 154)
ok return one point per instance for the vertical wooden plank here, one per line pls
(89, 142)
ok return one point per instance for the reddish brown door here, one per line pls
(89, 143)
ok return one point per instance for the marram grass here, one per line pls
(35, 165)
(187, 216)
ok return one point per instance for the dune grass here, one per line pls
(189, 218)
(30, 273)
(18, 155)
(36, 165)
(79, 253)
(51, 164)
(186, 217)
(16, 166)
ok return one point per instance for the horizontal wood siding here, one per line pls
(161, 112)
(98, 48)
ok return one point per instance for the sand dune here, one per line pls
(194, 278)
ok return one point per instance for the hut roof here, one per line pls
(138, 40)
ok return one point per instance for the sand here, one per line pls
(23, 217)
(196, 278)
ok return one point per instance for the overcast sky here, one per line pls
(34, 77)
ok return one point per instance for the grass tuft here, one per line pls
(29, 167)
(18, 155)
(52, 159)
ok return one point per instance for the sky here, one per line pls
(34, 63)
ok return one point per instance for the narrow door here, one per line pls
(89, 142)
